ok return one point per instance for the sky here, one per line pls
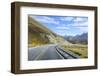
(64, 25)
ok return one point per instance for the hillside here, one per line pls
(41, 35)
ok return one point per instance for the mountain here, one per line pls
(82, 39)
(38, 34)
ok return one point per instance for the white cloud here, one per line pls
(74, 19)
(78, 24)
(83, 29)
(61, 32)
(66, 18)
(62, 28)
(47, 20)
(80, 19)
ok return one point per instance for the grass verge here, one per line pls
(80, 50)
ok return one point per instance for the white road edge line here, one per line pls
(37, 57)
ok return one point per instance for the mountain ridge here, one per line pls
(82, 38)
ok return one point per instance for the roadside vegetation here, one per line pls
(79, 49)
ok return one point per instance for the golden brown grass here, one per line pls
(81, 50)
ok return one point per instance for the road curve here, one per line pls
(46, 52)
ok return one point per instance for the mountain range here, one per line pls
(82, 38)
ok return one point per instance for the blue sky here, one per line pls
(64, 25)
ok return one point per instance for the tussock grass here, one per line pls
(81, 50)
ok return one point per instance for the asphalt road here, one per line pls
(46, 52)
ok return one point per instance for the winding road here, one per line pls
(47, 52)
